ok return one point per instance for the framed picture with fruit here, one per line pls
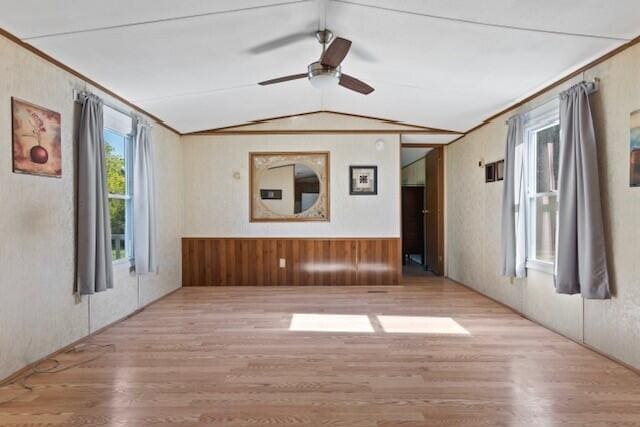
(37, 148)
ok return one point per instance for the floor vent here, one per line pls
(376, 292)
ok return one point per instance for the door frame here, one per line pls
(439, 148)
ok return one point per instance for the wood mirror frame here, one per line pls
(260, 162)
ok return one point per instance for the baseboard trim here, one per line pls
(12, 377)
(580, 343)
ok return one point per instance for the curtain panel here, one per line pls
(581, 264)
(144, 201)
(94, 271)
(513, 222)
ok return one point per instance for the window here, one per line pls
(542, 138)
(118, 155)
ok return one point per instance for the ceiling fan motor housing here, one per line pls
(317, 69)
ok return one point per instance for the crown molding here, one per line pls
(240, 128)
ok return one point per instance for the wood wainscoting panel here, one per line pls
(308, 261)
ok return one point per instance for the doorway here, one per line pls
(422, 195)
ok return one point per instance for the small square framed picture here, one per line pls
(363, 180)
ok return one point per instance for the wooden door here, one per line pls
(433, 211)
(412, 221)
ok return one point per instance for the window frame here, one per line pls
(541, 118)
(128, 196)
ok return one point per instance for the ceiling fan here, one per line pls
(327, 72)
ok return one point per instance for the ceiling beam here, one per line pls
(238, 129)
(314, 131)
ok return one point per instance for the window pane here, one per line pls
(117, 210)
(114, 148)
(547, 152)
(546, 215)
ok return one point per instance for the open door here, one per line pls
(434, 211)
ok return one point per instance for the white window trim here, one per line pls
(543, 266)
(543, 117)
(115, 122)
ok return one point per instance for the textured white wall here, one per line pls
(473, 214)
(414, 174)
(38, 311)
(217, 205)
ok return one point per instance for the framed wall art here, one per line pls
(363, 180)
(490, 172)
(37, 148)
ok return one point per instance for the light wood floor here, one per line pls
(227, 356)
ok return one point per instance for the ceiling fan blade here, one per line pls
(280, 42)
(336, 52)
(355, 84)
(283, 79)
(363, 54)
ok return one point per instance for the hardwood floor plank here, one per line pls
(436, 354)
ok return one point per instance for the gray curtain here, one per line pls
(581, 265)
(144, 201)
(513, 203)
(94, 264)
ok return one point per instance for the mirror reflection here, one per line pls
(289, 189)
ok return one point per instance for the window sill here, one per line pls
(120, 263)
(544, 267)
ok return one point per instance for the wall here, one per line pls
(473, 212)
(217, 205)
(414, 173)
(39, 313)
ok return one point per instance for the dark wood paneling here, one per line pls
(255, 261)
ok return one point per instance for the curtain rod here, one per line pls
(132, 114)
(596, 86)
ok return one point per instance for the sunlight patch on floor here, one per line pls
(421, 325)
(312, 322)
(330, 323)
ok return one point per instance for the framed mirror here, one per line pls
(289, 186)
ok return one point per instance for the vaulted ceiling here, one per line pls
(445, 64)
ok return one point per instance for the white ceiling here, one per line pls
(410, 155)
(439, 63)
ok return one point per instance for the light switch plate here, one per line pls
(283, 263)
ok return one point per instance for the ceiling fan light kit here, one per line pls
(327, 71)
(323, 77)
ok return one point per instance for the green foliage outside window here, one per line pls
(116, 183)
